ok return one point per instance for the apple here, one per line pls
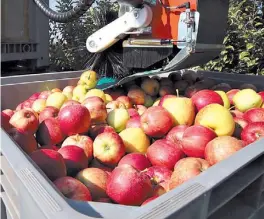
(115, 104)
(137, 160)
(103, 200)
(82, 141)
(128, 186)
(207, 82)
(224, 98)
(51, 147)
(141, 109)
(166, 82)
(150, 86)
(44, 94)
(148, 101)
(209, 117)
(230, 94)
(239, 125)
(159, 175)
(126, 101)
(253, 132)
(135, 140)
(97, 109)
(237, 113)
(205, 97)
(175, 76)
(242, 122)
(247, 99)
(49, 132)
(115, 93)
(8, 113)
(108, 148)
(221, 148)
(95, 180)
(118, 118)
(79, 92)
(149, 200)
(69, 95)
(176, 133)
(74, 157)
(195, 139)
(27, 104)
(70, 102)
(34, 96)
(190, 75)
(48, 112)
(137, 96)
(133, 113)
(248, 86)
(90, 78)
(74, 119)
(73, 189)
(156, 122)
(25, 121)
(100, 128)
(96, 93)
(164, 153)
(181, 85)
(254, 115)
(186, 169)
(261, 93)
(26, 141)
(156, 102)
(223, 87)
(56, 90)
(5, 121)
(56, 99)
(166, 90)
(50, 162)
(133, 123)
(39, 105)
(182, 109)
(96, 164)
(193, 89)
(68, 89)
(108, 98)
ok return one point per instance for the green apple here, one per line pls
(89, 78)
(247, 99)
(118, 118)
(79, 92)
(148, 101)
(56, 99)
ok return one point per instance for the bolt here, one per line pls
(92, 44)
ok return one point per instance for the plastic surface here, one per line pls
(233, 188)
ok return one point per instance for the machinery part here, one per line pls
(81, 7)
(111, 33)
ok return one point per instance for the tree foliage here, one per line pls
(244, 41)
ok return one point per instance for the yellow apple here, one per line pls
(150, 86)
(68, 95)
(79, 92)
(118, 118)
(96, 93)
(224, 98)
(247, 99)
(89, 78)
(56, 99)
(108, 98)
(181, 109)
(216, 117)
(135, 140)
(156, 102)
(39, 105)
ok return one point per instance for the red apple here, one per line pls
(5, 121)
(95, 180)
(44, 94)
(73, 189)
(68, 89)
(141, 109)
(190, 91)
(104, 200)
(133, 123)
(108, 148)
(82, 141)
(261, 93)
(34, 96)
(252, 132)
(96, 164)
(186, 169)
(51, 147)
(74, 119)
(19, 107)
(128, 186)
(137, 95)
(149, 200)
(230, 94)
(181, 85)
(27, 104)
(195, 139)
(48, 112)
(166, 82)
(133, 113)
(223, 87)
(25, 141)
(242, 122)
(97, 108)
(136, 160)
(176, 133)
(25, 121)
(236, 113)
(98, 129)
(49, 132)
(221, 148)
(156, 122)
(126, 101)
(164, 153)
(74, 157)
(9, 113)
(159, 176)
(254, 115)
(115, 93)
(50, 162)
(205, 97)
(70, 102)
(166, 90)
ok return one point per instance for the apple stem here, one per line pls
(135, 106)
(177, 92)
(232, 107)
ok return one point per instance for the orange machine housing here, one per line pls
(165, 21)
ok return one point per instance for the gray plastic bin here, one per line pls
(233, 188)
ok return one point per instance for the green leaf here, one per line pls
(242, 55)
(250, 46)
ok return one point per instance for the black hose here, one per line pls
(65, 17)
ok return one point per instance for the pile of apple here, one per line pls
(131, 144)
